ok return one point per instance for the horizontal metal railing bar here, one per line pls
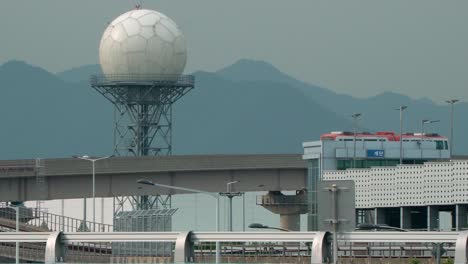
(120, 237)
(134, 76)
(388, 237)
(393, 237)
(253, 236)
(160, 236)
(33, 237)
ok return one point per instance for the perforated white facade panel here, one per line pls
(460, 181)
(434, 183)
(408, 185)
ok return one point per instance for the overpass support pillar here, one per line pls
(461, 216)
(432, 217)
(289, 207)
(290, 221)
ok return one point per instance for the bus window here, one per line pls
(446, 144)
(439, 144)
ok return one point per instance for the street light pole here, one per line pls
(17, 213)
(243, 212)
(214, 195)
(401, 109)
(334, 222)
(93, 161)
(84, 215)
(17, 230)
(230, 195)
(426, 121)
(355, 117)
(451, 102)
(103, 229)
(423, 122)
(422, 136)
(94, 194)
(229, 190)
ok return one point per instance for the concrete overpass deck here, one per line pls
(67, 178)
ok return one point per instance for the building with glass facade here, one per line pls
(345, 150)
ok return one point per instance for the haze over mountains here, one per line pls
(248, 107)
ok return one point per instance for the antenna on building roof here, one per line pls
(137, 4)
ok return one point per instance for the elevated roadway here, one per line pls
(68, 178)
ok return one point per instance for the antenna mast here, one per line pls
(138, 4)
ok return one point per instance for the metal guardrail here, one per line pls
(281, 200)
(29, 237)
(253, 236)
(8, 169)
(186, 246)
(33, 219)
(399, 237)
(184, 242)
(168, 79)
(94, 237)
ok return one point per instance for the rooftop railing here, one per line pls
(136, 79)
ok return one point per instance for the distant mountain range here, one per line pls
(248, 107)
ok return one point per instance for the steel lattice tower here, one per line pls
(143, 120)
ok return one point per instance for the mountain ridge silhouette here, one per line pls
(247, 107)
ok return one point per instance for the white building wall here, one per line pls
(438, 183)
(460, 181)
(383, 186)
(409, 178)
(434, 183)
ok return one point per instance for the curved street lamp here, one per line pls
(261, 226)
(93, 161)
(214, 195)
(366, 227)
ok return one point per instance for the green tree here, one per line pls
(448, 261)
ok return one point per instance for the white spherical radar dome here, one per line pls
(143, 43)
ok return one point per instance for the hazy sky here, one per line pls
(418, 48)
